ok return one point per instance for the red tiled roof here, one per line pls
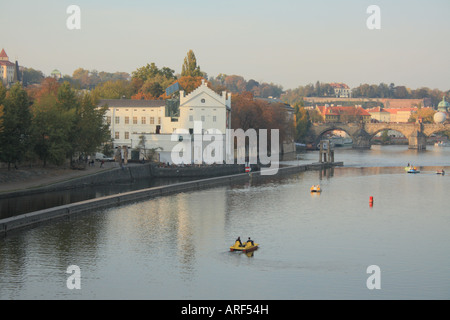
(396, 110)
(376, 109)
(3, 54)
(356, 111)
(6, 63)
(339, 85)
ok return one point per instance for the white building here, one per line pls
(341, 90)
(150, 124)
(7, 69)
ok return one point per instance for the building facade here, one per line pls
(341, 90)
(343, 114)
(149, 125)
(8, 70)
(379, 114)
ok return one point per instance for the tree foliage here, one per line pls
(14, 138)
(51, 123)
(302, 122)
(237, 84)
(190, 67)
(150, 82)
(251, 113)
(114, 89)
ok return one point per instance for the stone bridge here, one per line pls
(362, 133)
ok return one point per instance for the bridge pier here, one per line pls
(326, 153)
(361, 140)
(417, 140)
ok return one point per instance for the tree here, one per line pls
(302, 122)
(50, 131)
(31, 76)
(189, 83)
(91, 129)
(14, 139)
(190, 67)
(251, 113)
(114, 89)
(52, 124)
(1, 117)
(2, 98)
(82, 77)
(150, 82)
(426, 114)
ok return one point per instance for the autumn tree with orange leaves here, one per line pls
(253, 113)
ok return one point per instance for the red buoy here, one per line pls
(371, 201)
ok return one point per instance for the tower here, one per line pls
(443, 106)
(7, 69)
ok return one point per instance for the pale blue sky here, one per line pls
(286, 42)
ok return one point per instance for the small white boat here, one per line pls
(442, 144)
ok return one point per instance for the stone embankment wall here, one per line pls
(66, 211)
(129, 174)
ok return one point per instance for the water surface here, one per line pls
(312, 246)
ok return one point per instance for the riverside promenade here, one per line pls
(29, 178)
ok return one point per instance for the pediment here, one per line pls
(204, 98)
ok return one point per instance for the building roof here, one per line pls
(129, 103)
(376, 109)
(443, 103)
(339, 86)
(6, 63)
(276, 100)
(3, 54)
(397, 110)
(339, 110)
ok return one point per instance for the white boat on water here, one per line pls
(442, 144)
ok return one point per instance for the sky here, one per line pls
(286, 42)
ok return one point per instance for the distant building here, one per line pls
(56, 74)
(379, 114)
(385, 102)
(9, 71)
(343, 114)
(400, 115)
(341, 90)
(444, 106)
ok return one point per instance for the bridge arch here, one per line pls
(374, 133)
(322, 131)
(430, 132)
(374, 128)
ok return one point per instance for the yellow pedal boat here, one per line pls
(316, 189)
(245, 247)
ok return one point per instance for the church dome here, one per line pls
(443, 105)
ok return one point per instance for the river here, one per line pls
(312, 246)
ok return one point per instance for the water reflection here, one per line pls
(24, 204)
(312, 245)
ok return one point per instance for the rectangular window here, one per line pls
(134, 120)
(191, 118)
(108, 120)
(127, 120)
(127, 135)
(214, 118)
(152, 120)
(116, 135)
(117, 120)
(159, 120)
(143, 121)
(203, 118)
